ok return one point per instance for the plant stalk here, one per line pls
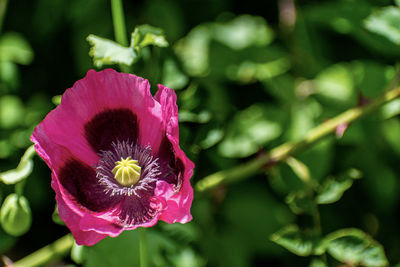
(3, 8)
(143, 247)
(282, 152)
(119, 27)
(48, 253)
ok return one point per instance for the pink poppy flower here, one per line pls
(115, 158)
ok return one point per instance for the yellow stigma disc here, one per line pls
(127, 171)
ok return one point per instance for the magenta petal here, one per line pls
(90, 223)
(103, 118)
(178, 203)
(167, 98)
(72, 219)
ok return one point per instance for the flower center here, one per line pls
(127, 171)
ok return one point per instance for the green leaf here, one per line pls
(391, 109)
(145, 35)
(78, 253)
(390, 130)
(11, 111)
(172, 76)
(106, 52)
(300, 202)
(301, 243)
(187, 116)
(385, 22)
(333, 189)
(335, 85)
(317, 263)
(193, 50)
(243, 31)
(371, 77)
(14, 48)
(188, 258)
(23, 169)
(249, 71)
(213, 137)
(56, 100)
(15, 215)
(353, 246)
(56, 217)
(250, 130)
(113, 251)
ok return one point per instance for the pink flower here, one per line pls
(115, 158)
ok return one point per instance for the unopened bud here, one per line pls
(15, 215)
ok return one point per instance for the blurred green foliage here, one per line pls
(249, 76)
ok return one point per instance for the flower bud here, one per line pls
(15, 215)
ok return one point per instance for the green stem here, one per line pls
(119, 22)
(44, 255)
(143, 247)
(3, 8)
(119, 26)
(285, 150)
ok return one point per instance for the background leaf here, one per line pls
(355, 247)
(106, 52)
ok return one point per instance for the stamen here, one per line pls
(127, 171)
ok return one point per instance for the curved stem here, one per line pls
(44, 255)
(285, 150)
(143, 247)
(119, 26)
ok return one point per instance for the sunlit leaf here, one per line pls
(250, 130)
(172, 76)
(296, 241)
(11, 111)
(9, 75)
(333, 188)
(23, 169)
(212, 138)
(243, 31)
(56, 100)
(188, 258)
(193, 50)
(187, 116)
(355, 247)
(317, 263)
(78, 253)
(391, 109)
(15, 215)
(145, 35)
(249, 71)
(106, 52)
(14, 48)
(335, 84)
(385, 22)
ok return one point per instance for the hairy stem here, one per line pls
(285, 150)
(119, 26)
(48, 253)
(143, 247)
